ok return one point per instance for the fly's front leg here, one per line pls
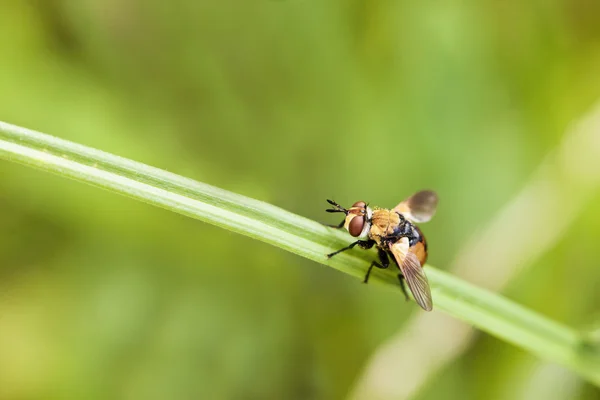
(338, 226)
(385, 262)
(336, 209)
(363, 244)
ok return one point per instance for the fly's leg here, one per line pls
(363, 244)
(385, 262)
(403, 286)
(344, 249)
(338, 226)
(336, 209)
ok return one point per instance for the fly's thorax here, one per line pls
(384, 223)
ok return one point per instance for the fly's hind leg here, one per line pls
(403, 286)
(385, 262)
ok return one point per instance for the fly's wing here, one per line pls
(420, 207)
(417, 281)
(413, 273)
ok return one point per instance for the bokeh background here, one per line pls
(290, 102)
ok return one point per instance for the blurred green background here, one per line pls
(290, 102)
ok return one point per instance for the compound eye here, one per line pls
(356, 225)
(360, 204)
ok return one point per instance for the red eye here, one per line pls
(360, 204)
(356, 225)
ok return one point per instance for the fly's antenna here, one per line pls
(337, 209)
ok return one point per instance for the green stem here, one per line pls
(485, 310)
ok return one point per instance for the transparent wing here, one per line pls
(417, 281)
(413, 274)
(420, 207)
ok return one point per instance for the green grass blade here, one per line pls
(485, 310)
